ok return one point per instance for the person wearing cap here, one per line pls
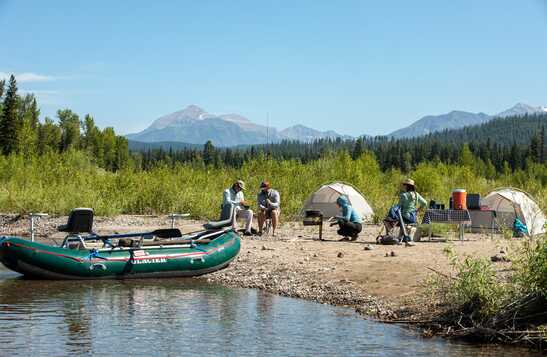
(410, 202)
(234, 196)
(349, 222)
(269, 202)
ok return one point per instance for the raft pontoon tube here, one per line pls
(86, 255)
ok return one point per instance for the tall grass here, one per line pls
(56, 183)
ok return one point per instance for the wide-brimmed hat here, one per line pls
(264, 184)
(240, 184)
(409, 182)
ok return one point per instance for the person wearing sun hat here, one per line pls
(234, 196)
(410, 202)
(269, 202)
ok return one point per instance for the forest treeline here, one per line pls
(22, 133)
(497, 147)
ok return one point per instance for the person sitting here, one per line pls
(410, 202)
(234, 197)
(269, 202)
(349, 222)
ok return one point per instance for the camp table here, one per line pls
(460, 217)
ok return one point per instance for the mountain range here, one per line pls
(459, 119)
(194, 126)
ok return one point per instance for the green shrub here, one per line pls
(55, 183)
(531, 268)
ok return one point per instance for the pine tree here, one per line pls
(8, 120)
(535, 148)
(208, 153)
(542, 145)
(357, 149)
(34, 114)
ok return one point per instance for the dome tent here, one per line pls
(509, 203)
(324, 200)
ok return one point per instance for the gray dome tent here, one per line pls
(324, 200)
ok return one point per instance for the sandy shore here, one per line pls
(386, 282)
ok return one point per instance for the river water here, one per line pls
(175, 317)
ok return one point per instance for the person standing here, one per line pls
(234, 197)
(349, 222)
(269, 202)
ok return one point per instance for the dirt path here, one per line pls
(377, 282)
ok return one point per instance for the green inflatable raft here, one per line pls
(84, 255)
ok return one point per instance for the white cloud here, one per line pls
(27, 77)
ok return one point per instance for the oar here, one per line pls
(161, 233)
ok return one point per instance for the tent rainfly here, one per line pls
(324, 200)
(510, 203)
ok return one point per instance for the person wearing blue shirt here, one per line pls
(349, 222)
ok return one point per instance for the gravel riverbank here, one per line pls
(383, 282)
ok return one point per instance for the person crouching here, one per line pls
(349, 222)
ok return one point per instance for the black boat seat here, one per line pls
(226, 218)
(80, 220)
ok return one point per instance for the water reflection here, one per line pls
(183, 316)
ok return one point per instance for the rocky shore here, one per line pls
(380, 282)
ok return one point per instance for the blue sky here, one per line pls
(357, 67)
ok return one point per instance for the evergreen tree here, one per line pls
(535, 149)
(357, 149)
(2, 86)
(208, 153)
(34, 114)
(542, 145)
(8, 120)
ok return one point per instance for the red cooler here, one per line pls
(459, 198)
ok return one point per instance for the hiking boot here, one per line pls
(247, 233)
(410, 244)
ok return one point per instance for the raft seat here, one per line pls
(226, 218)
(80, 220)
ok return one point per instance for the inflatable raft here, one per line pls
(161, 253)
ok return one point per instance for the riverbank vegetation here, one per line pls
(479, 301)
(57, 182)
(55, 166)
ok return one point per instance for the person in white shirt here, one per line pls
(234, 196)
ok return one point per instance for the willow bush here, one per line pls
(56, 183)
